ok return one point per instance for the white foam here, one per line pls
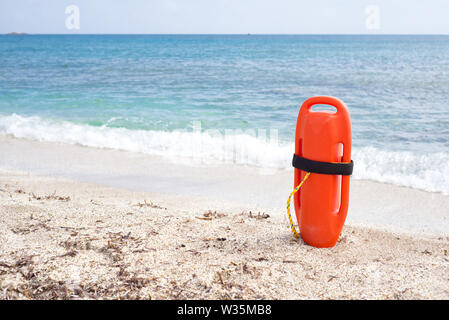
(428, 172)
(239, 148)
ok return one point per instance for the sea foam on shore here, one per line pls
(426, 171)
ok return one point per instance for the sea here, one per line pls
(234, 98)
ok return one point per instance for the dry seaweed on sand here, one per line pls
(52, 196)
(149, 204)
(210, 215)
(257, 216)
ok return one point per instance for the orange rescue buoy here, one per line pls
(323, 147)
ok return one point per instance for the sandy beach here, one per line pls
(66, 239)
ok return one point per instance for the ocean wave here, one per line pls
(428, 172)
(206, 146)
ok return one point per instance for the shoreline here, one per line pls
(64, 239)
(372, 204)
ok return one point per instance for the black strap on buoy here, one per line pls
(334, 168)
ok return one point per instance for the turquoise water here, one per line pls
(132, 92)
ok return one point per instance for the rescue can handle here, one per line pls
(332, 101)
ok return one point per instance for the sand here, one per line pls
(65, 239)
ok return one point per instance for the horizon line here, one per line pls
(239, 34)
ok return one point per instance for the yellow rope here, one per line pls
(295, 233)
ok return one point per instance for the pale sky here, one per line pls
(229, 16)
